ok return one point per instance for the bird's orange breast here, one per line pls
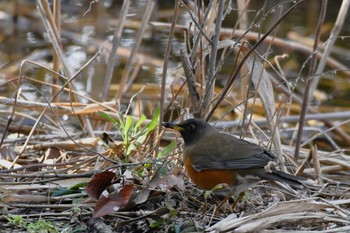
(208, 179)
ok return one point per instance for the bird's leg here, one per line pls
(221, 190)
(223, 202)
(238, 199)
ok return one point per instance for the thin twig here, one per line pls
(199, 27)
(210, 80)
(334, 127)
(235, 72)
(311, 75)
(279, 42)
(49, 105)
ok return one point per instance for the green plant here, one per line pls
(16, 220)
(133, 134)
(166, 150)
(42, 226)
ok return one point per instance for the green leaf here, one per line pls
(131, 148)
(64, 191)
(141, 139)
(157, 223)
(108, 117)
(128, 125)
(79, 185)
(166, 150)
(142, 119)
(172, 213)
(122, 121)
(154, 122)
(112, 120)
(141, 132)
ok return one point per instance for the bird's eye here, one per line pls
(192, 127)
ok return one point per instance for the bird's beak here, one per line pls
(172, 126)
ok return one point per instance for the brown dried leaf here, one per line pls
(99, 183)
(113, 202)
(53, 153)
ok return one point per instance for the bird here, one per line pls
(212, 157)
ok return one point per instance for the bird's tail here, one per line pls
(294, 181)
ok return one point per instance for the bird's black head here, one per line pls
(191, 129)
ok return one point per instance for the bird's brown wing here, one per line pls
(224, 151)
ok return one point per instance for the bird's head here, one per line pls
(191, 130)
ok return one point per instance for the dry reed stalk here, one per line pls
(113, 52)
(56, 64)
(44, 110)
(294, 118)
(51, 28)
(335, 127)
(235, 71)
(263, 86)
(302, 166)
(338, 25)
(165, 71)
(190, 7)
(211, 75)
(279, 42)
(311, 74)
(41, 165)
(191, 82)
(243, 25)
(316, 163)
(138, 39)
(299, 212)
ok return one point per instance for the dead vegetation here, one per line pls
(74, 161)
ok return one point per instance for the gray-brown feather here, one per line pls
(224, 151)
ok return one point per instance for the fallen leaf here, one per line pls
(167, 182)
(99, 183)
(142, 196)
(113, 202)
